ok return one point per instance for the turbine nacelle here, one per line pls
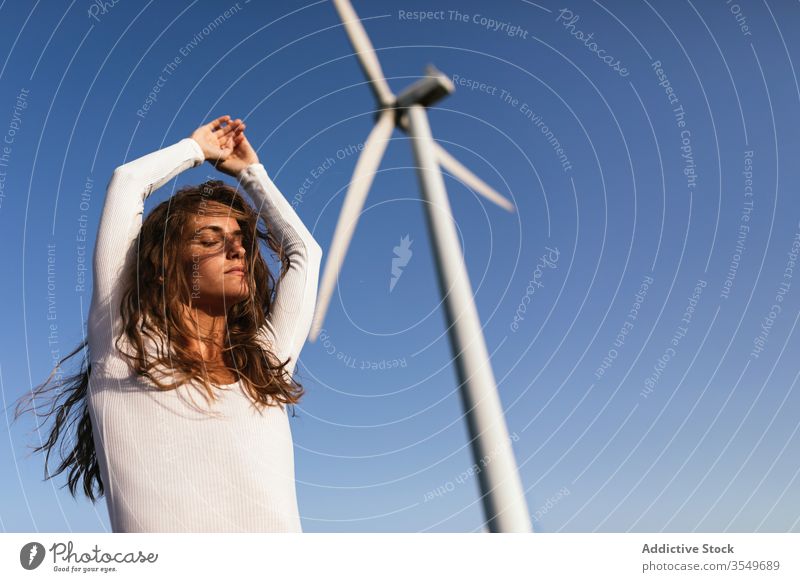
(434, 86)
(426, 91)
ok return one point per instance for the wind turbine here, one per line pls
(501, 488)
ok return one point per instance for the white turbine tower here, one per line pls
(501, 488)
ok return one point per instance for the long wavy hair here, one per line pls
(156, 288)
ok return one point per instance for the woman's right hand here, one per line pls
(216, 141)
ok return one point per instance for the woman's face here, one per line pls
(216, 259)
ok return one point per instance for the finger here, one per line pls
(214, 125)
(226, 141)
(230, 127)
(221, 131)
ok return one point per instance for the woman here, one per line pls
(182, 307)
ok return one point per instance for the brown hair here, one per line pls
(154, 311)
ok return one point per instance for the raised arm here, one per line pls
(292, 311)
(120, 223)
(121, 220)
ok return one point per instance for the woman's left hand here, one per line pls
(242, 156)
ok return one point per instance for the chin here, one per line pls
(222, 300)
(237, 300)
(230, 299)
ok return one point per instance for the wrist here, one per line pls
(245, 168)
(199, 154)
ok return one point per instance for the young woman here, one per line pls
(181, 402)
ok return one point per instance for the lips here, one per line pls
(236, 270)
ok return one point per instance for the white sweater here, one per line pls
(166, 463)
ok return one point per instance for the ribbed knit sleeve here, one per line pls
(292, 311)
(120, 223)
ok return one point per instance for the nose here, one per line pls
(235, 249)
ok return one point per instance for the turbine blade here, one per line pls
(364, 174)
(461, 172)
(365, 52)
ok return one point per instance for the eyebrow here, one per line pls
(218, 229)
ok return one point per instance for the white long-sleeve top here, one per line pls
(169, 461)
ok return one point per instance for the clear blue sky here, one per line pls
(677, 165)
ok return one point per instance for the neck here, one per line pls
(209, 326)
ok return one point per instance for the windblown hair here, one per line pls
(157, 287)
